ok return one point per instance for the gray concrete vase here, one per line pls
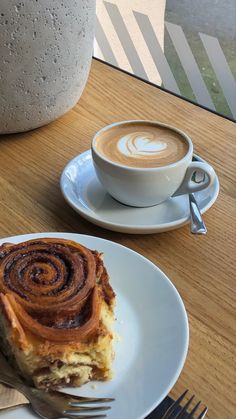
(45, 56)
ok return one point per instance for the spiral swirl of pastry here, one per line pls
(51, 286)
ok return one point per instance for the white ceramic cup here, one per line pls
(144, 187)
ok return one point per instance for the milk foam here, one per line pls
(140, 145)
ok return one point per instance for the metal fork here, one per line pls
(176, 411)
(52, 404)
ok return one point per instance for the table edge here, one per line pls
(163, 89)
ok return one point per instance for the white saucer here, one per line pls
(83, 191)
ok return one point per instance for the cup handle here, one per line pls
(198, 176)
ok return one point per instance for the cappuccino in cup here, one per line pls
(143, 163)
(141, 144)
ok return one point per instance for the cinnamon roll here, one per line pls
(56, 312)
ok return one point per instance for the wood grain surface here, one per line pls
(201, 267)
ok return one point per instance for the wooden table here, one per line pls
(202, 268)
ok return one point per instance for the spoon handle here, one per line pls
(196, 221)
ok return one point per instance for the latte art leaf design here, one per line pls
(141, 144)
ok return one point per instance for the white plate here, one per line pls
(83, 191)
(152, 324)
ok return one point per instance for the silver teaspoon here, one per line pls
(196, 222)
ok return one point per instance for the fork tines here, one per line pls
(177, 411)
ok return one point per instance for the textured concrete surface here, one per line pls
(45, 55)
